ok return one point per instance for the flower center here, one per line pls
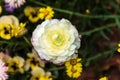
(36, 78)
(6, 31)
(73, 61)
(73, 70)
(57, 39)
(34, 14)
(34, 61)
(14, 66)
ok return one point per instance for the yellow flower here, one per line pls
(4, 57)
(5, 31)
(16, 64)
(31, 13)
(103, 78)
(7, 23)
(19, 30)
(38, 71)
(72, 62)
(39, 74)
(33, 61)
(77, 69)
(74, 71)
(0, 9)
(73, 68)
(46, 13)
(118, 47)
(45, 78)
(28, 10)
(9, 19)
(33, 18)
(40, 78)
(87, 11)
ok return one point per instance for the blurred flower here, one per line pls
(7, 22)
(31, 13)
(72, 62)
(46, 13)
(118, 47)
(29, 10)
(103, 78)
(38, 71)
(4, 57)
(3, 70)
(8, 8)
(5, 31)
(39, 74)
(16, 64)
(73, 68)
(34, 13)
(0, 9)
(10, 27)
(45, 78)
(15, 3)
(87, 11)
(33, 61)
(19, 30)
(9, 19)
(56, 40)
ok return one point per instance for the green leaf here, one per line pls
(117, 22)
(104, 35)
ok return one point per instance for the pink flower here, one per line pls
(3, 70)
(15, 3)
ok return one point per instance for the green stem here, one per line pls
(6, 42)
(57, 68)
(98, 29)
(27, 41)
(100, 55)
(75, 13)
(74, 3)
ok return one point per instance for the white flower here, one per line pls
(56, 40)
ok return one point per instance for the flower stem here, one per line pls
(27, 41)
(57, 68)
(76, 13)
(100, 55)
(98, 29)
(6, 42)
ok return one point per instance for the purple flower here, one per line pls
(9, 8)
